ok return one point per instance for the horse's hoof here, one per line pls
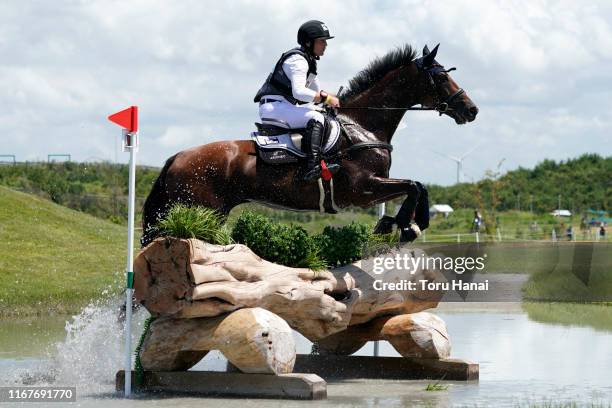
(384, 225)
(408, 235)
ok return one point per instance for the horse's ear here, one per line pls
(428, 58)
(425, 50)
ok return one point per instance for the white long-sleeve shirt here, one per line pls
(303, 89)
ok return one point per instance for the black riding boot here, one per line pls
(312, 141)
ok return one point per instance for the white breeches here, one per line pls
(295, 116)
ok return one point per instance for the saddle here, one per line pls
(277, 143)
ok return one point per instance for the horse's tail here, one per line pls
(156, 205)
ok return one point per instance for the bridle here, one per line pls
(441, 106)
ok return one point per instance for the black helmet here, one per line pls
(311, 30)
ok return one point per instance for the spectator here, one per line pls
(569, 232)
(477, 221)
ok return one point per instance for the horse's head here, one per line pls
(441, 92)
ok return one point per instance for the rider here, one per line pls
(291, 90)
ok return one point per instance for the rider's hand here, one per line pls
(327, 99)
(333, 101)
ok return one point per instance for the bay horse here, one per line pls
(224, 174)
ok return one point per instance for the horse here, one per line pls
(224, 174)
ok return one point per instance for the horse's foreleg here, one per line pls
(414, 206)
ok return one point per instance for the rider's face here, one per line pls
(319, 46)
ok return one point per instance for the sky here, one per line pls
(539, 71)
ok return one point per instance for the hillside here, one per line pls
(53, 257)
(100, 189)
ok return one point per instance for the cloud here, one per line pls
(181, 137)
(540, 72)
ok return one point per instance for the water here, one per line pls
(521, 362)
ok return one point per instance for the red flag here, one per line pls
(127, 118)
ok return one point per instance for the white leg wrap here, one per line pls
(331, 187)
(321, 196)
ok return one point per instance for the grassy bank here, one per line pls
(53, 259)
(596, 315)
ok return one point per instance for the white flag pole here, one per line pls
(130, 144)
(128, 120)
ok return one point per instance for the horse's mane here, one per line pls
(377, 69)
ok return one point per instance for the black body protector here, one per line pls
(277, 82)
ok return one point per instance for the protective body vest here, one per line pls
(278, 83)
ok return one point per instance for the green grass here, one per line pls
(558, 272)
(53, 259)
(195, 222)
(596, 315)
(436, 387)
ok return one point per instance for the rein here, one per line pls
(442, 107)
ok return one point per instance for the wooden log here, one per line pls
(190, 278)
(421, 335)
(220, 384)
(254, 340)
(397, 368)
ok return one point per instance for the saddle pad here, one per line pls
(285, 141)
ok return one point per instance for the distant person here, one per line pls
(569, 233)
(477, 221)
(602, 231)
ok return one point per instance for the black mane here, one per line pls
(377, 69)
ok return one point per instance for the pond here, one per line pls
(522, 361)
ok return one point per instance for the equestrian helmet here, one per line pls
(312, 30)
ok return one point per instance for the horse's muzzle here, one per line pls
(470, 113)
(465, 113)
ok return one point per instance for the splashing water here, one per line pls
(91, 353)
(94, 347)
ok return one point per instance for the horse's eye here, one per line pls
(442, 78)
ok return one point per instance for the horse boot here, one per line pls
(314, 135)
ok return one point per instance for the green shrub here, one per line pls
(343, 245)
(194, 222)
(287, 245)
(290, 244)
